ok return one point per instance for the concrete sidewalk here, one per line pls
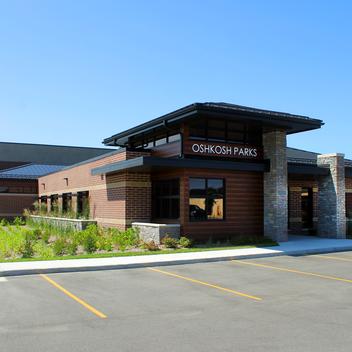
(297, 245)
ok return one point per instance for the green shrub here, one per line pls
(45, 235)
(4, 222)
(90, 243)
(104, 243)
(11, 243)
(150, 246)
(29, 241)
(124, 239)
(169, 242)
(185, 242)
(18, 221)
(72, 248)
(42, 250)
(88, 238)
(60, 246)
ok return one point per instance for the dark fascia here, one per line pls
(147, 162)
(306, 169)
(293, 123)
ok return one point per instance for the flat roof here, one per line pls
(29, 171)
(292, 123)
(47, 154)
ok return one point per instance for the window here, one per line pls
(198, 129)
(54, 201)
(216, 130)
(166, 199)
(66, 202)
(235, 132)
(149, 142)
(43, 204)
(83, 208)
(160, 140)
(174, 138)
(206, 199)
(221, 130)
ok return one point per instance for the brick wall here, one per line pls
(115, 200)
(295, 185)
(19, 195)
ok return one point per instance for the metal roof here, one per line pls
(29, 172)
(47, 154)
(292, 123)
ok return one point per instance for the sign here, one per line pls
(224, 150)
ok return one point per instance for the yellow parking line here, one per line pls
(206, 284)
(332, 257)
(293, 271)
(71, 295)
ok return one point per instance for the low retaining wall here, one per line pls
(156, 232)
(77, 224)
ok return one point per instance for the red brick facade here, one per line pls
(17, 196)
(115, 200)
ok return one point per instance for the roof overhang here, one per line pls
(148, 163)
(291, 123)
(306, 169)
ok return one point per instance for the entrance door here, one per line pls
(307, 208)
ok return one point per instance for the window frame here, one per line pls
(206, 179)
(245, 131)
(169, 197)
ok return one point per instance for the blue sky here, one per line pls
(74, 72)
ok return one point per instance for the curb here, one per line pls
(29, 271)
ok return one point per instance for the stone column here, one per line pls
(275, 186)
(331, 197)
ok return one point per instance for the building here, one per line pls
(218, 170)
(21, 164)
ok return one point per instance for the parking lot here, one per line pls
(268, 304)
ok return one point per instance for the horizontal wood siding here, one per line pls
(168, 150)
(243, 204)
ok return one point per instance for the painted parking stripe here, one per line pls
(328, 277)
(3, 279)
(333, 257)
(206, 284)
(74, 297)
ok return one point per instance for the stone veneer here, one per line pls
(156, 232)
(331, 199)
(275, 186)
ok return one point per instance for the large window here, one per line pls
(66, 202)
(220, 130)
(166, 199)
(206, 199)
(83, 208)
(152, 141)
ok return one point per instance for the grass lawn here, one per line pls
(203, 248)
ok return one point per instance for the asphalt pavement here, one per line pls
(286, 303)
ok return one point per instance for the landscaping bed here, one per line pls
(35, 240)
